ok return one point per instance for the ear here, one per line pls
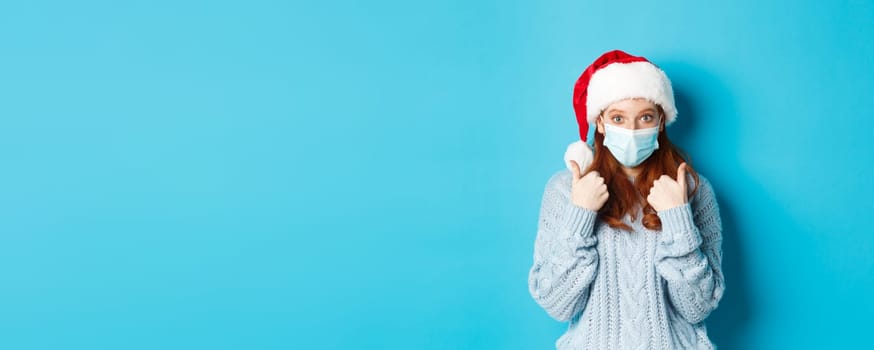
(663, 119)
(599, 124)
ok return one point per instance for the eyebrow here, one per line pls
(623, 112)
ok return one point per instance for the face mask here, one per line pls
(630, 147)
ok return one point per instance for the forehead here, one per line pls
(632, 105)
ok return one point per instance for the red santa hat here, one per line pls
(614, 76)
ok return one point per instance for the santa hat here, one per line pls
(615, 76)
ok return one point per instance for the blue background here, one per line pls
(342, 174)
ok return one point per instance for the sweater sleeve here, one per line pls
(565, 255)
(689, 254)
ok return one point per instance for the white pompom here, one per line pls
(580, 152)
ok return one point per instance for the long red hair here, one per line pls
(627, 197)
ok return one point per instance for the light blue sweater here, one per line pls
(628, 290)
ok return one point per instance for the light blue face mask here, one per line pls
(630, 147)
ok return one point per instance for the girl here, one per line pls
(629, 239)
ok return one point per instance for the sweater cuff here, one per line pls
(679, 235)
(580, 223)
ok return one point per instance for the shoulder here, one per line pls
(705, 197)
(704, 185)
(558, 185)
(560, 180)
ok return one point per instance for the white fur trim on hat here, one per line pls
(580, 152)
(619, 81)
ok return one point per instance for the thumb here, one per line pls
(575, 168)
(681, 175)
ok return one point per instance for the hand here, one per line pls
(667, 193)
(588, 191)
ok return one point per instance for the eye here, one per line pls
(617, 118)
(647, 117)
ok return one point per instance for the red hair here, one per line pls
(626, 197)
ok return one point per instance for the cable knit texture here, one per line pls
(628, 290)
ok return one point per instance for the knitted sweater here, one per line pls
(628, 290)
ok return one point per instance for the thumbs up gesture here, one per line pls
(588, 191)
(667, 193)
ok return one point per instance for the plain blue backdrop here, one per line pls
(367, 174)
